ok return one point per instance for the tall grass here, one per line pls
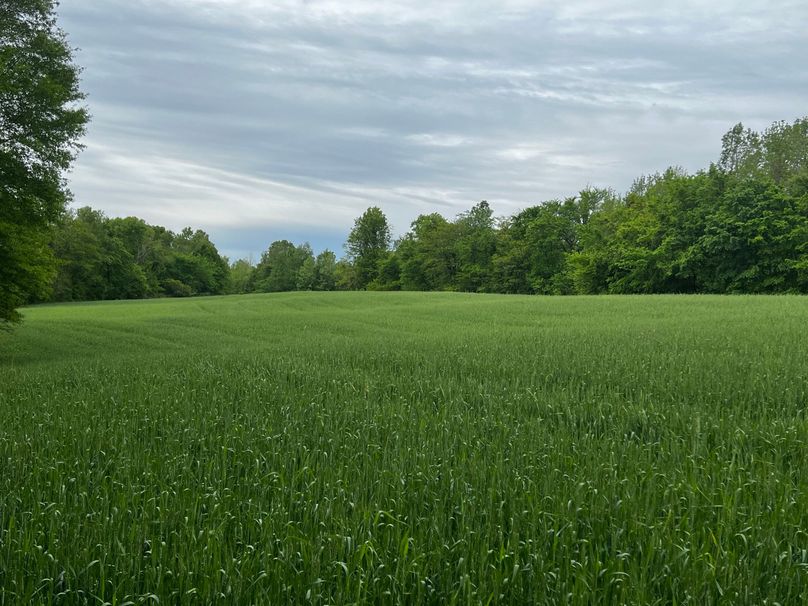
(406, 448)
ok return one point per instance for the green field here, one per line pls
(406, 448)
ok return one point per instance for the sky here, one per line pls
(285, 119)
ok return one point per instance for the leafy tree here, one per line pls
(101, 258)
(279, 266)
(537, 244)
(532, 250)
(40, 127)
(511, 264)
(779, 153)
(389, 276)
(786, 150)
(240, 272)
(751, 242)
(198, 263)
(344, 275)
(141, 243)
(741, 151)
(367, 246)
(78, 247)
(427, 254)
(636, 245)
(307, 274)
(475, 247)
(326, 271)
(193, 271)
(591, 266)
(94, 263)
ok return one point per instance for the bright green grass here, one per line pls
(406, 448)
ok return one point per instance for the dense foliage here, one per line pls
(285, 267)
(367, 247)
(406, 448)
(126, 258)
(740, 226)
(102, 258)
(40, 125)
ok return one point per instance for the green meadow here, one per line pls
(406, 448)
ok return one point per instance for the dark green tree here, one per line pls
(142, 243)
(753, 240)
(101, 258)
(326, 271)
(428, 255)
(536, 245)
(307, 274)
(279, 266)
(344, 275)
(389, 276)
(93, 262)
(475, 246)
(197, 262)
(41, 122)
(77, 244)
(368, 245)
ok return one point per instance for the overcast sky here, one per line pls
(260, 120)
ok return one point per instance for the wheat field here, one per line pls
(406, 448)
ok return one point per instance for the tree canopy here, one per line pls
(738, 226)
(367, 246)
(41, 123)
(125, 258)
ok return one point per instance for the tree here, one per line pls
(344, 275)
(141, 242)
(638, 244)
(475, 247)
(389, 275)
(326, 271)
(751, 241)
(240, 272)
(367, 245)
(428, 254)
(77, 245)
(307, 274)
(40, 127)
(536, 245)
(279, 266)
(779, 153)
(740, 151)
(198, 263)
(94, 262)
(101, 258)
(786, 150)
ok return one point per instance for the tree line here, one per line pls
(41, 124)
(99, 258)
(739, 226)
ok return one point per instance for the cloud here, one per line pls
(292, 116)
